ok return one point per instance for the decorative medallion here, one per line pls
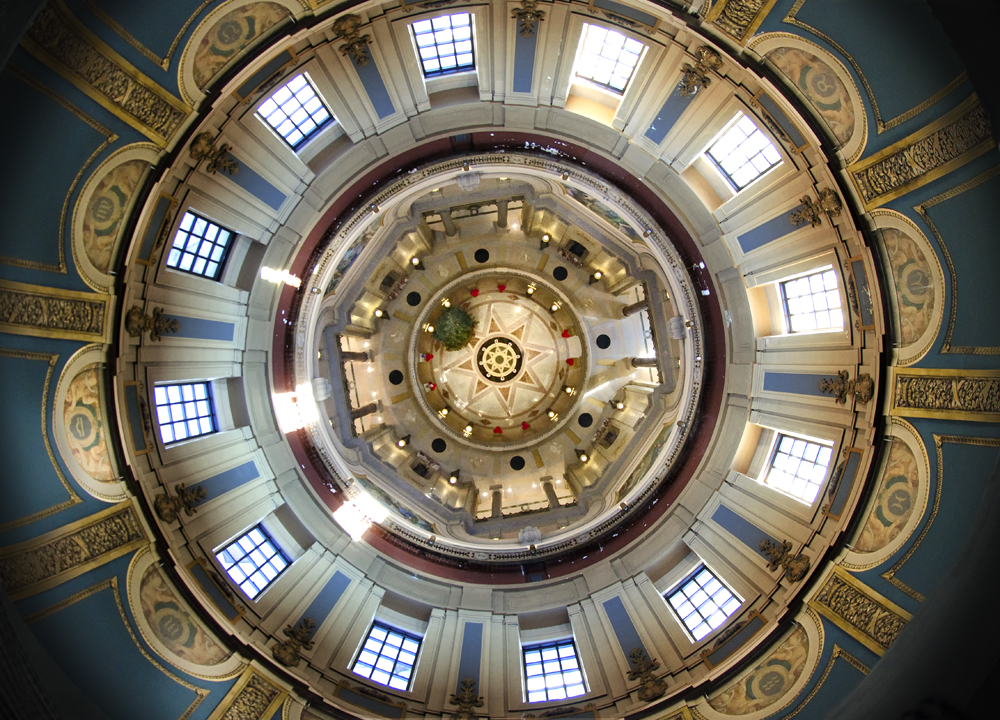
(499, 359)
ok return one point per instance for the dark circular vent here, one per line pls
(395, 377)
(439, 445)
(482, 255)
(413, 299)
(585, 420)
(603, 342)
(517, 463)
(560, 273)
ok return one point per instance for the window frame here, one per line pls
(267, 537)
(378, 623)
(546, 644)
(315, 132)
(223, 259)
(678, 588)
(459, 69)
(727, 128)
(213, 414)
(786, 315)
(575, 76)
(773, 453)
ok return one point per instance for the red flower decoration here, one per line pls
(474, 292)
(565, 333)
(497, 430)
(428, 356)
(501, 287)
(525, 426)
(569, 361)
(431, 386)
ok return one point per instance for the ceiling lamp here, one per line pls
(378, 313)
(582, 455)
(453, 479)
(403, 441)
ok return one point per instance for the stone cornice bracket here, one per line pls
(203, 148)
(697, 76)
(137, 322)
(651, 687)
(812, 211)
(796, 566)
(355, 45)
(529, 15)
(288, 652)
(169, 507)
(466, 699)
(863, 388)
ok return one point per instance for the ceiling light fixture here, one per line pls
(582, 455)
(403, 441)
(454, 477)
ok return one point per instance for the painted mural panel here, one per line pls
(106, 211)
(230, 35)
(821, 86)
(84, 419)
(897, 495)
(767, 683)
(914, 278)
(173, 625)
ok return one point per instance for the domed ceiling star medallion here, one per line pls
(500, 359)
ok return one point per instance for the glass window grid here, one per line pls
(295, 111)
(253, 561)
(608, 58)
(184, 411)
(812, 302)
(388, 656)
(200, 247)
(743, 153)
(702, 602)
(552, 671)
(798, 467)
(445, 44)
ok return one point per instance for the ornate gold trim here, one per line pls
(838, 652)
(163, 62)
(954, 139)
(110, 138)
(24, 308)
(59, 566)
(123, 104)
(925, 216)
(739, 28)
(881, 125)
(247, 709)
(939, 441)
(112, 583)
(872, 619)
(953, 394)
(74, 499)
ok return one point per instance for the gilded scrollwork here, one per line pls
(356, 45)
(288, 652)
(698, 75)
(137, 322)
(878, 624)
(643, 669)
(812, 211)
(739, 18)
(947, 393)
(841, 386)
(528, 16)
(44, 311)
(219, 158)
(796, 566)
(168, 506)
(467, 699)
(253, 701)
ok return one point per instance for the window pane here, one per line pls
(247, 557)
(607, 58)
(798, 467)
(549, 668)
(809, 302)
(192, 249)
(392, 652)
(711, 602)
(295, 111)
(445, 44)
(743, 153)
(179, 420)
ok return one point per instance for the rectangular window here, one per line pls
(607, 58)
(388, 656)
(184, 411)
(743, 153)
(798, 467)
(253, 561)
(445, 44)
(812, 302)
(702, 602)
(295, 111)
(552, 671)
(200, 247)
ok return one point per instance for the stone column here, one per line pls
(364, 410)
(501, 213)
(644, 362)
(352, 356)
(550, 493)
(497, 511)
(449, 225)
(632, 309)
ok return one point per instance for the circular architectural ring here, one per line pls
(499, 359)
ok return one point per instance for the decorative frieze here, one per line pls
(863, 388)
(948, 394)
(856, 608)
(956, 138)
(60, 41)
(739, 19)
(70, 551)
(254, 697)
(50, 312)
